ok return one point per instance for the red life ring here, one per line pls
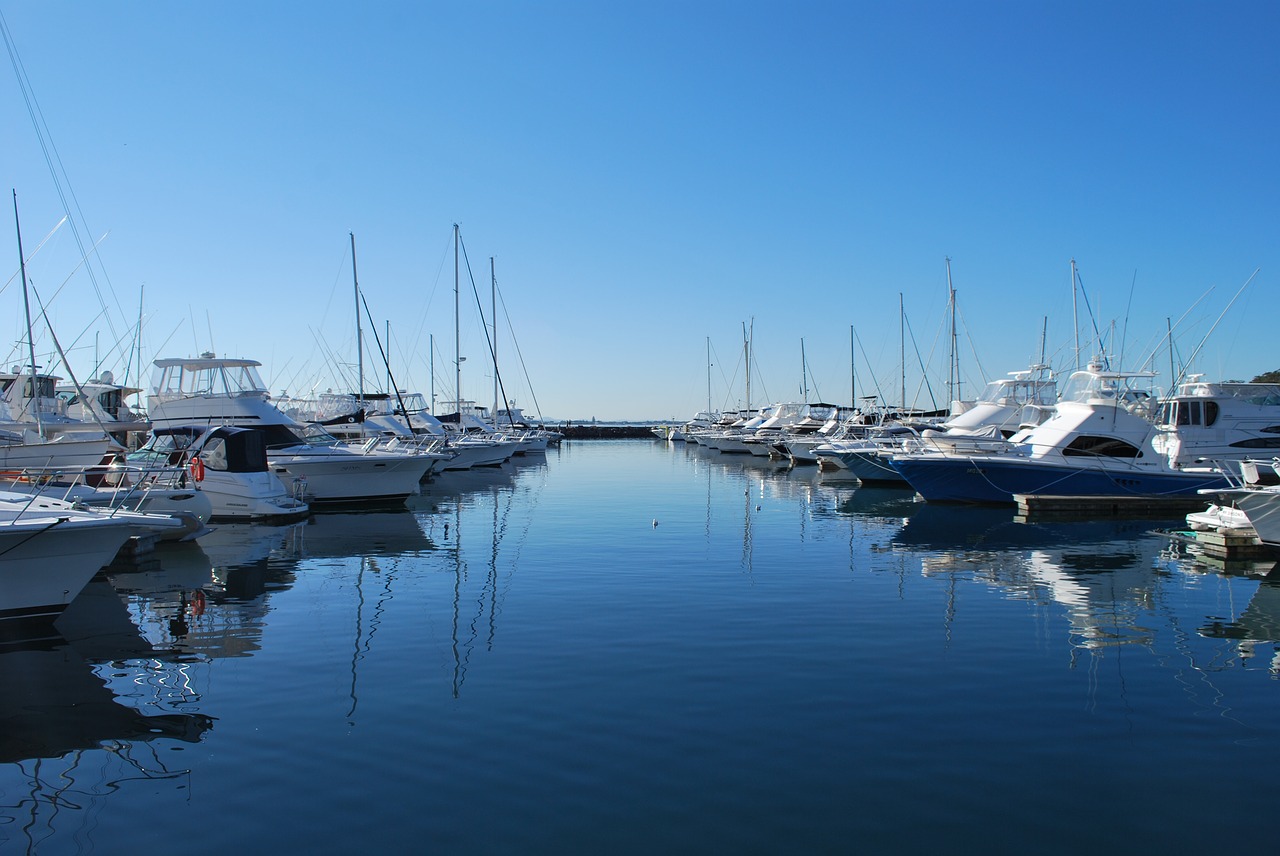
(197, 469)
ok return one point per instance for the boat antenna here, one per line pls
(26, 306)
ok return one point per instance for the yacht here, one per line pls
(1101, 441)
(233, 470)
(50, 549)
(313, 465)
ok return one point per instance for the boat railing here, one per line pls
(116, 483)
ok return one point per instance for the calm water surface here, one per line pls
(630, 647)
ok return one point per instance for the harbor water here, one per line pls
(637, 647)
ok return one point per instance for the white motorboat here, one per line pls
(312, 464)
(233, 470)
(1250, 504)
(149, 489)
(49, 550)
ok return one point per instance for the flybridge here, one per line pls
(204, 376)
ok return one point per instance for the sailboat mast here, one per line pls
(708, 375)
(1075, 314)
(26, 306)
(902, 348)
(804, 374)
(493, 298)
(853, 372)
(953, 367)
(355, 281)
(457, 330)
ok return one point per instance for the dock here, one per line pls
(1043, 507)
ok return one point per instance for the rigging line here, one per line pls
(1097, 335)
(1169, 333)
(511, 328)
(492, 353)
(422, 319)
(41, 128)
(875, 380)
(1124, 333)
(1221, 315)
(924, 375)
(968, 335)
(31, 255)
(404, 411)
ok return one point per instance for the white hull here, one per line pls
(59, 454)
(50, 549)
(468, 455)
(1262, 508)
(326, 475)
(249, 496)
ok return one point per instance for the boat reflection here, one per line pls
(1102, 574)
(1256, 627)
(64, 731)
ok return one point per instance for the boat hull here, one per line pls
(328, 479)
(944, 478)
(40, 572)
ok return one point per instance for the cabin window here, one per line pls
(1210, 413)
(1101, 447)
(1257, 443)
(214, 454)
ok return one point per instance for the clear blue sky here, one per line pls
(648, 175)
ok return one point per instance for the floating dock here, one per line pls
(1042, 507)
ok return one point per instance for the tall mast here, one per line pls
(953, 367)
(853, 373)
(431, 362)
(708, 375)
(804, 374)
(493, 298)
(26, 306)
(1075, 315)
(355, 281)
(902, 348)
(457, 331)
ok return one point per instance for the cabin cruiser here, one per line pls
(232, 470)
(36, 431)
(313, 465)
(1101, 441)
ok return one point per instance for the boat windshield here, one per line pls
(314, 434)
(179, 381)
(1019, 391)
(1087, 386)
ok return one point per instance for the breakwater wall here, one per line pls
(603, 431)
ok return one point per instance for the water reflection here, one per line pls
(68, 743)
(481, 518)
(1257, 625)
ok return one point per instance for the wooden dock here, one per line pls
(1042, 507)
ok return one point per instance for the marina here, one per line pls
(632, 646)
